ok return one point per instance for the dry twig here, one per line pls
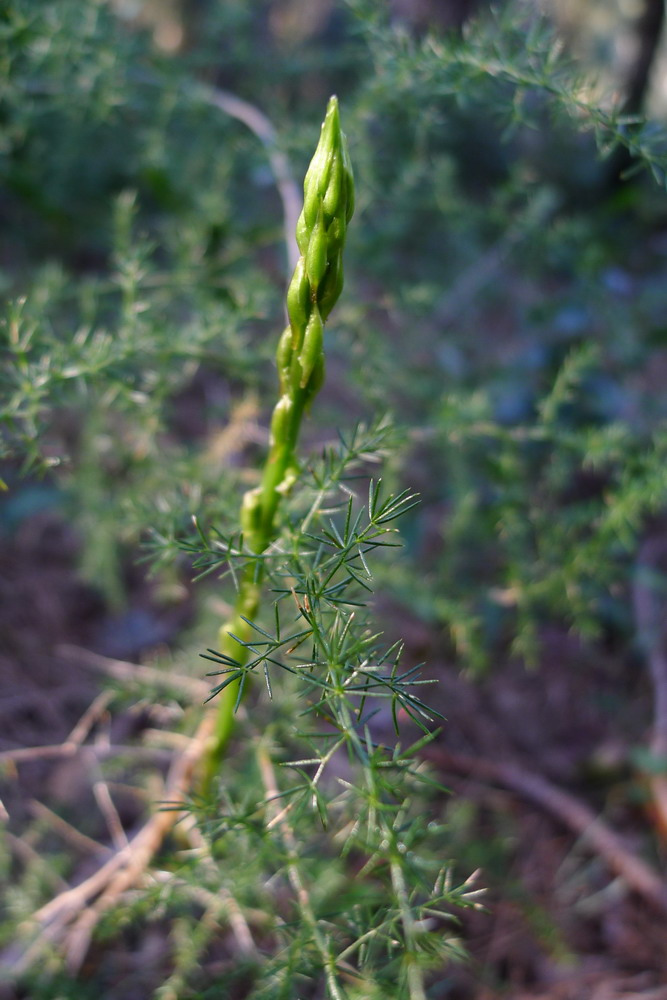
(69, 919)
(639, 876)
(32, 858)
(130, 863)
(260, 126)
(55, 751)
(135, 673)
(107, 807)
(68, 832)
(223, 898)
(89, 719)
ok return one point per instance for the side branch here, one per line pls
(260, 126)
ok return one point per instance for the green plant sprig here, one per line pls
(338, 670)
(312, 293)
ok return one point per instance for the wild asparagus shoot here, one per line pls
(312, 293)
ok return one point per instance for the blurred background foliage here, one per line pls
(505, 305)
(505, 302)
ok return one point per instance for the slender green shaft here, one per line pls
(414, 975)
(328, 203)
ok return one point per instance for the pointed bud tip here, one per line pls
(332, 116)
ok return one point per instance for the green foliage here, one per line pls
(495, 303)
(556, 503)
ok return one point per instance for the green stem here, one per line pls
(414, 976)
(313, 290)
(413, 971)
(247, 606)
(279, 461)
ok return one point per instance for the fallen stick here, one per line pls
(69, 919)
(638, 874)
(54, 751)
(121, 670)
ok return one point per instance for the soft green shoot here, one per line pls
(313, 291)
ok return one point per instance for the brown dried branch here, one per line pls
(68, 832)
(89, 719)
(69, 919)
(260, 125)
(54, 751)
(223, 898)
(639, 876)
(32, 858)
(135, 673)
(72, 744)
(107, 807)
